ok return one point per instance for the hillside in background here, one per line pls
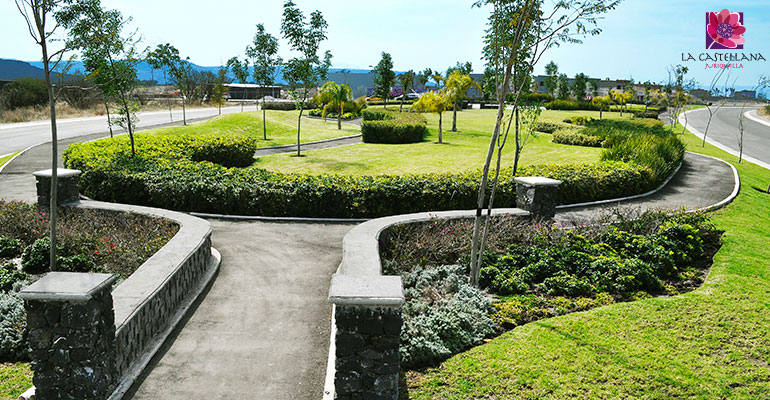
(14, 69)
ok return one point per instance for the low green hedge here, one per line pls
(172, 180)
(575, 137)
(383, 126)
(646, 114)
(571, 105)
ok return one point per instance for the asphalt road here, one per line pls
(19, 136)
(724, 130)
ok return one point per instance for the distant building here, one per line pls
(603, 86)
(745, 94)
(250, 91)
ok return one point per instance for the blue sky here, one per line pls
(640, 39)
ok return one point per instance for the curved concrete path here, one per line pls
(262, 331)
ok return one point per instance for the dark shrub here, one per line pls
(227, 151)
(78, 263)
(36, 258)
(565, 284)
(646, 114)
(575, 137)
(571, 105)
(24, 92)
(535, 98)
(547, 127)
(9, 247)
(9, 275)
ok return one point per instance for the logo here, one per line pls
(724, 30)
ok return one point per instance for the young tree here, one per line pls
(264, 57)
(337, 96)
(424, 76)
(562, 87)
(436, 103)
(536, 29)
(464, 68)
(407, 84)
(185, 80)
(304, 73)
(383, 78)
(602, 102)
(241, 71)
(106, 53)
(594, 86)
(219, 89)
(708, 94)
(36, 13)
(455, 90)
(579, 86)
(551, 78)
(162, 58)
(488, 82)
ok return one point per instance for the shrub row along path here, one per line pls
(262, 330)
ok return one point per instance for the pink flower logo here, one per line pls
(724, 30)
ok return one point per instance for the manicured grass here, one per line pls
(281, 127)
(461, 151)
(710, 343)
(15, 378)
(7, 158)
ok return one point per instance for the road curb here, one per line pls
(752, 115)
(714, 143)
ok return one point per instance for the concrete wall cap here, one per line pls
(60, 172)
(537, 181)
(67, 286)
(369, 290)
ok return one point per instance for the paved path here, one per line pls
(262, 332)
(701, 182)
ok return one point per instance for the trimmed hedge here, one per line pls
(571, 105)
(575, 137)
(646, 114)
(383, 126)
(180, 173)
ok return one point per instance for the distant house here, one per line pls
(603, 86)
(250, 91)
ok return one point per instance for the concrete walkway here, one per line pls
(262, 332)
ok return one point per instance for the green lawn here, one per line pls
(7, 158)
(15, 378)
(707, 344)
(281, 127)
(461, 151)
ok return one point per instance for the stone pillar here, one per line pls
(66, 189)
(537, 195)
(367, 317)
(71, 326)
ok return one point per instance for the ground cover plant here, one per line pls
(708, 343)
(89, 241)
(174, 171)
(536, 271)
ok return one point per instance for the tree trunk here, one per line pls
(109, 122)
(454, 117)
(339, 117)
(168, 98)
(401, 107)
(518, 145)
(475, 243)
(299, 124)
(184, 111)
(54, 156)
(440, 137)
(600, 113)
(264, 123)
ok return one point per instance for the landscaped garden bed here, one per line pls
(706, 343)
(535, 271)
(167, 174)
(88, 241)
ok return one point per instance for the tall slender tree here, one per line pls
(536, 29)
(36, 14)
(424, 76)
(384, 78)
(263, 52)
(305, 72)
(552, 78)
(241, 71)
(407, 84)
(162, 58)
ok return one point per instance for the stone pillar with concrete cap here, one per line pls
(538, 195)
(367, 317)
(71, 326)
(66, 189)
